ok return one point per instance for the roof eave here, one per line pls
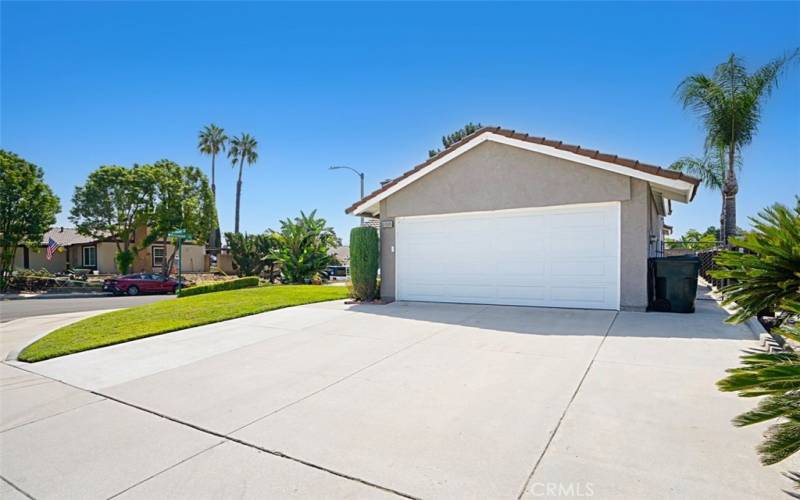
(679, 187)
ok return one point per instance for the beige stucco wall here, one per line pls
(494, 176)
(633, 272)
(193, 257)
(37, 259)
(106, 252)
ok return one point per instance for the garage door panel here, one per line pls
(579, 294)
(586, 269)
(562, 257)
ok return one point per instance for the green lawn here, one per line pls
(161, 317)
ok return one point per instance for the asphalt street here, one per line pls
(24, 308)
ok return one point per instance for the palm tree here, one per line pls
(211, 141)
(242, 149)
(729, 102)
(711, 171)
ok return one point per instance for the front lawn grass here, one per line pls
(161, 317)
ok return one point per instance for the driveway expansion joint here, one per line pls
(276, 453)
(20, 490)
(225, 437)
(176, 464)
(566, 409)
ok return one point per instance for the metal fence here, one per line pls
(707, 264)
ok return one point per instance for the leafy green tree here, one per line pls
(449, 140)
(163, 197)
(695, 240)
(28, 208)
(211, 141)
(768, 278)
(242, 150)
(303, 246)
(729, 102)
(112, 203)
(181, 199)
(250, 253)
(364, 258)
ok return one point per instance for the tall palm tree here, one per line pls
(711, 171)
(729, 102)
(211, 141)
(242, 149)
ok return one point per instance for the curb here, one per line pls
(11, 356)
(55, 296)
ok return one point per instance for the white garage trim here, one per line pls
(560, 256)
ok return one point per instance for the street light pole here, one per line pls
(360, 176)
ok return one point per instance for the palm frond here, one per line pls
(795, 478)
(781, 441)
(212, 140)
(729, 101)
(769, 408)
(709, 170)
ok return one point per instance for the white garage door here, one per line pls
(555, 257)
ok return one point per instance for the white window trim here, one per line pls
(153, 255)
(83, 256)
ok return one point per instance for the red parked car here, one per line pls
(134, 284)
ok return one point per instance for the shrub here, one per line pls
(220, 286)
(124, 260)
(32, 273)
(250, 252)
(364, 257)
(768, 278)
(768, 275)
(303, 247)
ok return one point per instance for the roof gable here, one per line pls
(675, 185)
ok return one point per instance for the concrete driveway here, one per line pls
(408, 399)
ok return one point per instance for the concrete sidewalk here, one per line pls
(408, 399)
(18, 333)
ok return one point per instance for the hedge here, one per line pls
(364, 256)
(220, 286)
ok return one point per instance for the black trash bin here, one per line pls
(673, 283)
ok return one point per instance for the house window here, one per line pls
(89, 256)
(158, 256)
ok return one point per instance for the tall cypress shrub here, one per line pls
(364, 256)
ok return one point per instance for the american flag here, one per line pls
(52, 246)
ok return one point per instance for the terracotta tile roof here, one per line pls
(589, 153)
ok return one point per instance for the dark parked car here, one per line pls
(134, 284)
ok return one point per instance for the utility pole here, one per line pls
(360, 176)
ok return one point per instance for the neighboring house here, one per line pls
(85, 252)
(505, 218)
(342, 255)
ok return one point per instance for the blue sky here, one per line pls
(374, 86)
